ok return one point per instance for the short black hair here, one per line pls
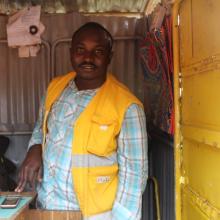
(94, 25)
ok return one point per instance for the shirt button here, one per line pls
(52, 171)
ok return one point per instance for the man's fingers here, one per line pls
(22, 186)
(40, 175)
(29, 171)
(22, 180)
(32, 180)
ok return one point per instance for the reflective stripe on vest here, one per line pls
(91, 160)
(102, 216)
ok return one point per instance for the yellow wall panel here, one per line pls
(199, 31)
(200, 105)
(198, 127)
(201, 170)
(205, 27)
(197, 209)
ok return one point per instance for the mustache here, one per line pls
(87, 63)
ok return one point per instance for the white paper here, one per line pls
(18, 27)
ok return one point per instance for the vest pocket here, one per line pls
(102, 136)
(103, 183)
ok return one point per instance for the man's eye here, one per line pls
(99, 52)
(80, 50)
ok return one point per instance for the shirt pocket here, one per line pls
(102, 139)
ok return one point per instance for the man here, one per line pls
(90, 139)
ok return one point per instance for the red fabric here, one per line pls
(157, 62)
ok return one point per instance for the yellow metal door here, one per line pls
(197, 102)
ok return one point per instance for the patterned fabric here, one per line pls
(56, 192)
(156, 60)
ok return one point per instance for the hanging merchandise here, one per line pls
(156, 60)
(151, 5)
(24, 30)
(157, 17)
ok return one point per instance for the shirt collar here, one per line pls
(73, 86)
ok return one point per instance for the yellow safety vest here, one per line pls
(94, 159)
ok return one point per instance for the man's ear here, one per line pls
(110, 56)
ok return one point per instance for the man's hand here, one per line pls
(31, 168)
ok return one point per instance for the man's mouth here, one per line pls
(88, 66)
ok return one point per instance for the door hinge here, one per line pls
(182, 180)
(178, 20)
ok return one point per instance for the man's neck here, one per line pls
(85, 84)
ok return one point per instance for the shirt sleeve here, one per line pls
(37, 135)
(133, 165)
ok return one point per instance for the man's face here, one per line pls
(90, 55)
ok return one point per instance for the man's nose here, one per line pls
(88, 56)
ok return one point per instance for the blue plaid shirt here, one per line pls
(56, 191)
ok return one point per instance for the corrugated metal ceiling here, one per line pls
(84, 6)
